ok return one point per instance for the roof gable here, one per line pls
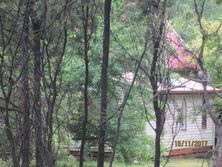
(184, 61)
(186, 86)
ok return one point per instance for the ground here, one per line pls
(172, 163)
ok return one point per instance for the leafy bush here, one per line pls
(217, 106)
(4, 163)
(137, 149)
(64, 159)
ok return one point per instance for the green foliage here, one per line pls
(133, 144)
(185, 23)
(132, 129)
(4, 144)
(128, 24)
(4, 163)
(213, 49)
(66, 160)
(217, 106)
(137, 148)
(218, 1)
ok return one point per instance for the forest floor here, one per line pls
(171, 163)
(188, 163)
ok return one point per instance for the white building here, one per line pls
(188, 127)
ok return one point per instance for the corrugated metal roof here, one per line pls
(179, 85)
(186, 86)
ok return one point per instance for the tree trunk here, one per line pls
(217, 153)
(49, 152)
(157, 143)
(26, 121)
(37, 93)
(116, 139)
(10, 136)
(155, 77)
(85, 119)
(25, 93)
(49, 124)
(104, 83)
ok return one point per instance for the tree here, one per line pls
(104, 81)
(25, 134)
(206, 46)
(217, 153)
(157, 73)
(10, 72)
(85, 11)
(37, 56)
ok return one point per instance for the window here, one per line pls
(182, 116)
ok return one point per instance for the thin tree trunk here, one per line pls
(37, 93)
(10, 136)
(49, 124)
(157, 143)
(26, 122)
(7, 92)
(217, 152)
(104, 83)
(25, 143)
(122, 106)
(6, 89)
(158, 36)
(85, 119)
(52, 97)
(49, 152)
(116, 138)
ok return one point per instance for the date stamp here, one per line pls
(190, 143)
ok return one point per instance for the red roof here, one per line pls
(181, 63)
(184, 60)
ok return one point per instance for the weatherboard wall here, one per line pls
(193, 131)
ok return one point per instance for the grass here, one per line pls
(94, 164)
(188, 163)
(172, 163)
(71, 162)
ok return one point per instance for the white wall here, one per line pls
(194, 131)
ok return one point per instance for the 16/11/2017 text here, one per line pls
(190, 143)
